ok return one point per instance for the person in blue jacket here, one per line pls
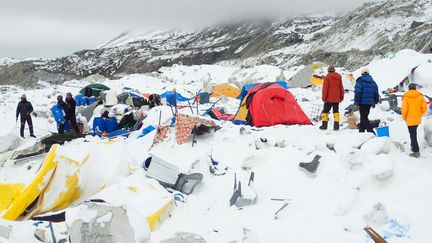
(69, 109)
(366, 97)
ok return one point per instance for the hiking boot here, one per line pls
(312, 166)
(336, 126)
(323, 126)
(33, 136)
(415, 154)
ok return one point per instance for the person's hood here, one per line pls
(366, 78)
(334, 75)
(412, 94)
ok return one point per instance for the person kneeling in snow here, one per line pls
(332, 95)
(413, 107)
(366, 97)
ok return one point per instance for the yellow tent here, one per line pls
(243, 110)
(70, 175)
(227, 90)
(16, 198)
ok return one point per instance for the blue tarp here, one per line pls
(146, 131)
(132, 92)
(247, 87)
(172, 97)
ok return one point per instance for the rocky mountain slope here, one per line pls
(350, 40)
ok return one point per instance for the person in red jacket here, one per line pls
(332, 95)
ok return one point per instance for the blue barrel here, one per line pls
(78, 100)
(91, 100)
(58, 113)
(98, 125)
(85, 100)
(111, 125)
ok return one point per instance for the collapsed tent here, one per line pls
(70, 175)
(87, 111)
(172, 97)
(227, 90)
(219, 114)
(307, 76)
(96, 89)
(270, 104)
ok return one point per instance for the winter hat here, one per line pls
(23, 96)
(68, 94)
(331, 69)
(364, 70)
(412, 86)
(59, 97)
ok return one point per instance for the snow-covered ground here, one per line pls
(361, 180)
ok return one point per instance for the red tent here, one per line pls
(270, 104)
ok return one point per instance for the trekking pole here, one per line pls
(52, 232)
(190, 106)
(160, 117)
(374, 235)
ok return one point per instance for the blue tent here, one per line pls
(247, 87)
(172, 97)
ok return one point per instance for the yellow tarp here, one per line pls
(225, 90)
(8, 194)
(154, 219)
(71, 194)
(19, 202)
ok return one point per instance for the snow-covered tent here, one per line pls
(71, 175)
(305, 76)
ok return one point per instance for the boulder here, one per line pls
(377, 216)
(379, 145)
(381, 167)
(355, 158)
(98, 223)
(9, 142)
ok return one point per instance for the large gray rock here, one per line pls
(109, 225)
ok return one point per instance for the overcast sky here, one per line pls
(54, 28)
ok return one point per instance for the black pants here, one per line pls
(413, 135)
(364, 119)
(30, 125)
(328, 106)
(73, 124)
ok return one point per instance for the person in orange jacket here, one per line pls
(332, 95)
(413, 107)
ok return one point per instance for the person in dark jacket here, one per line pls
(69, 108)
(332, 95)
(366, 97)
(24, 110)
